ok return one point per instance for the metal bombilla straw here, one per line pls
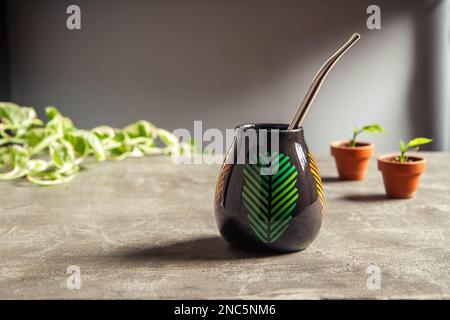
(318, 80)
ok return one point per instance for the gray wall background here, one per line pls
(224, 62)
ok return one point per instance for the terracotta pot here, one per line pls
(401, 179)
(352, 162)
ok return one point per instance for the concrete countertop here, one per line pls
(144, 228)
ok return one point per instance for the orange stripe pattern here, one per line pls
(220, 185)
(316, 174)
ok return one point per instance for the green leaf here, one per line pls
(37, 165)
(63, 157)
(269, 200)
(79, 144)
(418, 142)
(17, 161)
(51, 154)
(104, 132)
(11, 113)
(141, 128)
(52, 113)
(373, 128)
(57, 124)
(34, 136)
(170, 140)
(403, 146)
(95, 144)
(15, 120)
(52, 177)
(4, 157)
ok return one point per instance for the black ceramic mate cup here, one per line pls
(269, 194)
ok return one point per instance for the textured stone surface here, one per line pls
(144, 228)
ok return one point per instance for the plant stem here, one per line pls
(11, 141)
(353, 141)
(41, 145)
(403, 156)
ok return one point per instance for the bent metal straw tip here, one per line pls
(318, 80)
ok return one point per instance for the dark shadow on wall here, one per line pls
(420, 113)
(4, 54)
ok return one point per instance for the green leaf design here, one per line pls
(270, 199)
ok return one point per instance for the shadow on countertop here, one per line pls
(329, 179)
(211, 248)
(366, 197)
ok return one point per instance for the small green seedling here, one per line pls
(372, 128)
(413, 144)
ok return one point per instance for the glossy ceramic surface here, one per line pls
(272, 201)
